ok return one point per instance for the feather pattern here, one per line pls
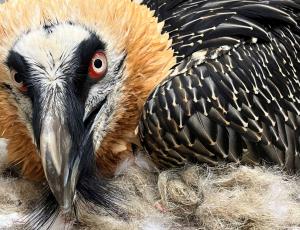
(239, 100)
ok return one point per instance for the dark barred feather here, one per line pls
(199, 24)
(236, 100)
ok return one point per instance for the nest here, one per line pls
(194, 197)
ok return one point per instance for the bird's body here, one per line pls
(75, 76)
(235, 94)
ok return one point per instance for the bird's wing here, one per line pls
(195, 25)
(235, 93)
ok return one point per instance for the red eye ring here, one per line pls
(23, 88)
(18, 82)
(98, 66)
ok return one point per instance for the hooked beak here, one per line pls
(59, 132)
(64, 136)
(59, 163)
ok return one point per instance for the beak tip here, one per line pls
(65, 201)
(60, 172)
(66, 207)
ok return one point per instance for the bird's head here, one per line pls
(75, 74)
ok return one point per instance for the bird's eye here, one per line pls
(18, 81)
(98, 66)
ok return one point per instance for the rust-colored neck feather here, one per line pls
(21, 150)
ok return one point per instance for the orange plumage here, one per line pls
(130, 27)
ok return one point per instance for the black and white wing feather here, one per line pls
(234, 94)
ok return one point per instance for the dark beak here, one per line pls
(59, 131)
(60, 165)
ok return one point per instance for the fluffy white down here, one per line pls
(138, 1)
(196, 197)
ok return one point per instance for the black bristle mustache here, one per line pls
(95, 192)
(46, 212)
(92, 191)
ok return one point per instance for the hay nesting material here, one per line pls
(196, 197)
(192, 198)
